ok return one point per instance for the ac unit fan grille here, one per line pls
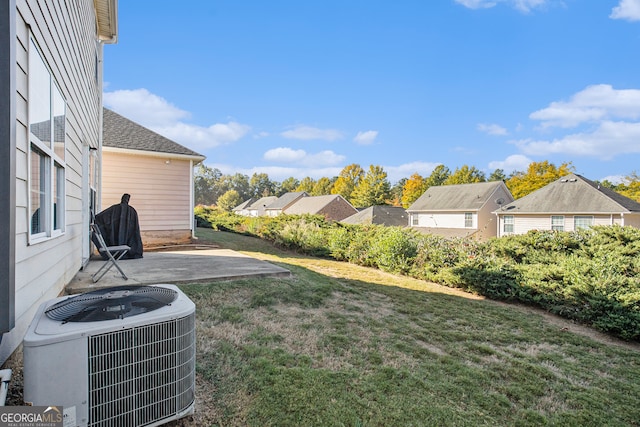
(141, 375)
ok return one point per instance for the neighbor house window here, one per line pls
(47, 120)
(468, 220)
(415, 220)
(507, 225)
(582, 222)
(557, 222)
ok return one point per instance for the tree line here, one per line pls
(369, 187)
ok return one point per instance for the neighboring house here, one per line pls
(283, 202)
(460, 210)
(258, 207)
(383, 215)
(241, 209)
(567, 204)
(333, 207)
(50, 127)
(156, 171)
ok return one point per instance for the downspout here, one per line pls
(5, 378)
(192, 200)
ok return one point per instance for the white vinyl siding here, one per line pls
(64, 33)
(444, 220)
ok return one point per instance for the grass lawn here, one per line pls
(343, 345)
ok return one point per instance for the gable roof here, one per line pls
(459, 197)
(120, 132)
(244, 205)
(572, 194)
(385, 215)
(286, 199)
(313, 204)
(261, 203)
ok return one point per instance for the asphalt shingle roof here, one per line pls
(120, 132)
(457, 197)
(387, 215)
(572, 194)
(286, 199)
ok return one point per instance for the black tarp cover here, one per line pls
(119, 226)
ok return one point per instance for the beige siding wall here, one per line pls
(160, 191)
(65, 33)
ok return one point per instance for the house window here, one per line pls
(47, 169)
(582, 222)
(468, 220)
(415, 220)
(557, 222)
(507, 225)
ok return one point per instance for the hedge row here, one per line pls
(590, 276)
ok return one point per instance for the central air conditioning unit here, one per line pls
(122, 356)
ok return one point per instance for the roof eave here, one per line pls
(196, 159)
(106, 20)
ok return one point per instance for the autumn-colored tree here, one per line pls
(396, 192)
(414, 187)
(438, 176)
(465, 175)
(630, 187)
(372, 189)
(306, 184)
(347, 180)
(322, 187)
(538, 175)
(229, 200)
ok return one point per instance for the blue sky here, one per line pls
(304, 88)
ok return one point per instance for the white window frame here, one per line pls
(49, 211)
(578, 219)
(557, 222)
(415, 220)
(468, 220)
(508, 220)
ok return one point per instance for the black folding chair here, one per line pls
(113, 254)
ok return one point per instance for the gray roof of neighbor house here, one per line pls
(262, 202)
(385, 215)
(459, 197)
(312, 204)
(572, 194)
(120, 132)
(244, 205)
(286, 199)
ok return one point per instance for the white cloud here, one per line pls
(594, 103)
(476, 4)
(310, 133)
(524, 6)
(143, 107)
(515, 162)
(284, 155)
(366, 138)
(492, 129)
(301, 157)
(627, 9)
(608, 140)
(161, 116)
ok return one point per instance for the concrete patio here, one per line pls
(193, 265)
